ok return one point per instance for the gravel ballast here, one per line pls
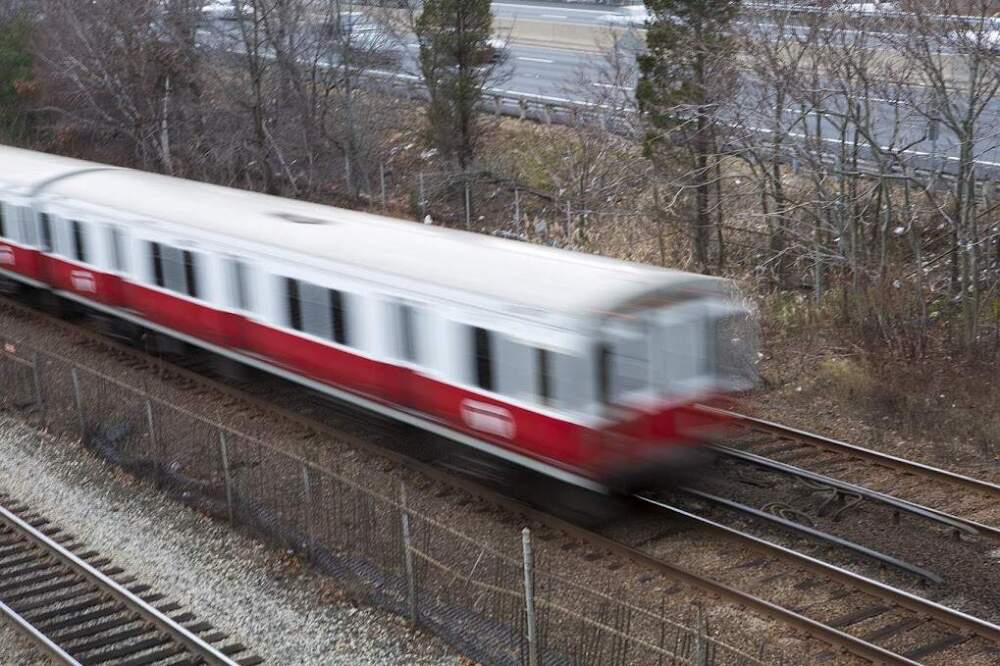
(285, 614)
(17, 650)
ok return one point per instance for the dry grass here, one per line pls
(820, 367)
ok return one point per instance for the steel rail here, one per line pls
(827, 634)
(818, 535)
(968, 526)
(762, 425)
(38, 637)
(175, 630)
(911, 602)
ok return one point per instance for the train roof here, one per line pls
(515, 272)
(21, 171)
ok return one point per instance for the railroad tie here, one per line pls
(77, 601)
(937, 646)
(859, 615)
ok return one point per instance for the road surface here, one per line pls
(566, 76)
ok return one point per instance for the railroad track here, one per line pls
(883, 614)
(860, 616)
(961, 501)
(82, 609)
(892, 625)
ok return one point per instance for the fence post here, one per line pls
(224, 450)
(381, 181)
(307, 499)
(36, 378)
(420, 200)
(411, 577)
(529, 597)
(701, 640)
(79, 405)
(468, 205)
(517, 208)
(151, 426)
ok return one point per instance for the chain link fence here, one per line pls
(374, 537)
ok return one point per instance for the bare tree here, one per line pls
(776, 44)
(956, 48)
(254, 89)
(603, 167)
(124, 71)
(334, 57)
(310, 76)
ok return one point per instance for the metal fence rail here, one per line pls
(370, 533)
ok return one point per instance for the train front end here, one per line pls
(663, 360)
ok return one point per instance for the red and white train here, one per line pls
(581, 368)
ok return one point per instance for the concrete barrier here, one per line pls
(533, 33)
(558, 35)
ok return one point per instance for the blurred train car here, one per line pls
(574, 367)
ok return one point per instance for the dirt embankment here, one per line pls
(939, 409)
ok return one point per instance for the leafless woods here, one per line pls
(846, 155)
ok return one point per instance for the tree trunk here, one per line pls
(702, 194)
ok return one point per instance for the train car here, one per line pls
(576, 367)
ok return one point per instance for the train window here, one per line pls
(630, 366)
(79, 242)
(238, 275)
(684, 352)
(157, 258)
(315, 308)
(570, 380)
(174, 268)
(62, 237)
(627, 366)
(191, 273)
(46, 226)
(604, 373)
(117, 249)
(26, 219)
(513, 367)
(3, 231)
(339, 314)
(407, 333)
(294, 303)
(483, 349)
(544, 379)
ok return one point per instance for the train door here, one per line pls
(22, 228)
(238, 277)
(16, 254)
(681, 364)
(45, 246)
(405, 345)
(626, 360)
